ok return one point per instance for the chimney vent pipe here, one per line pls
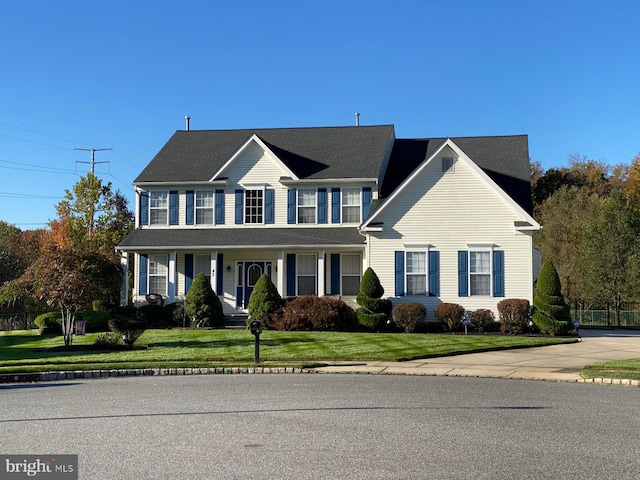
(187, 118)
(357, 119)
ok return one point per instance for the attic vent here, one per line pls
(447, 165)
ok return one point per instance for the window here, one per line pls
(447, 165)
(158, 208)
(253, 206)
(416, 273)
(204, 208)
(306, 275)
(306, 206)
(351, 205)
(158, 269)
(351, 267)
(480, 272)
(202, 264)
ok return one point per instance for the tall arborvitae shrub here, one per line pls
(202, 306)
(551, 314)
(374, 310)
(264, 299)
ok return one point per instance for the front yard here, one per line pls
(27, 351)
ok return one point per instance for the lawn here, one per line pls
(628, 369)
(27, 351)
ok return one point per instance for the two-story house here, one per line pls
(439, 220)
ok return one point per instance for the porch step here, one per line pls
(235, 321)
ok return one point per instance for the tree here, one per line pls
(374, 310)
(12, 264)
(264, 299)
(202, 306)
(550, 314)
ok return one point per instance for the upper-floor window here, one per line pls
(158, 208)
(306, 206)
(480, 272)
(351, 205)
(204, 207)
(254, 206)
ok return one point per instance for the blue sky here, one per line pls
(123, 75)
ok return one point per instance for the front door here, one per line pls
(248, 275)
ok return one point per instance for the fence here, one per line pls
(608, 317)
(17, 321)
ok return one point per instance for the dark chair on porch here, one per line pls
(154, 299)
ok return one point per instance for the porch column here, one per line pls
(280, 273)
(213, 271)
(124, 286)
(321, 281)
(171, 287)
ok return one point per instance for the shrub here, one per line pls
(485, 321)
(129, 328)
(514, 316)
(374, 311)
(96, 320)
(50, 322)
(550, 313)
(108, 340)
(264, 299)
(202, 305)
(309, 312)
(451, 315)
(409, 315)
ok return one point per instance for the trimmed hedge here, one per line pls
(514, 316)
(484, 321)
(451, 315)
(551, 314)
(409, 315)
(309, 312)
(50, 322)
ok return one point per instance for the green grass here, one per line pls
(628, 369)
(27, 351)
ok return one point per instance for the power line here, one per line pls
(39, 133)
(27, 195)
(43, 167)
(92, 162)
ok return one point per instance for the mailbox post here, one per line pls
(256, 329)
(465, 322)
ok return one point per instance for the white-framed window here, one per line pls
(351, 205)
(306, 205)
(204, 207)
(158, 271)
(350, 274)
(254, 206)
(202, 264)
(480, 272)
(158, 208)
(306, 274)
(416, 272)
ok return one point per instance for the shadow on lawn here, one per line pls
(242, 342)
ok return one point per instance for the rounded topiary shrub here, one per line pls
(309, 312)
(202, 306)
(129, 328)
(370, 285)
(514, 316)
(50, 322)
(264, 299)
(550, 314)
(484, 321)
(374, 311)
(410, 315)
(451, 315)
(96, 320)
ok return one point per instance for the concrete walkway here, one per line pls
(561, 363)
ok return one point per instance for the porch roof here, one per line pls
(237, 238)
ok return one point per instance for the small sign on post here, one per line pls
(256, 329)
(465, 322)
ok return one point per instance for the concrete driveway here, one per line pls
(554, 362)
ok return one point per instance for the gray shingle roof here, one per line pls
(311, 153)
(240, 237)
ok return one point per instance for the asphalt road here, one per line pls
(308, 426)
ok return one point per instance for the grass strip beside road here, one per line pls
(627, 369)
(27, 351)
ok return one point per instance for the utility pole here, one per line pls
(93, 158)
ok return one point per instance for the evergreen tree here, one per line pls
(264, 299)
(201, 304)
(551, 314)
(374, 310)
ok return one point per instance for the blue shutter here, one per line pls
(291, 206)
(269, 206)
(498, 273)
(190, 207)
(434, 273)
(219, 200)
(399, 270)
(335, 205)
(291, 274)
(188, 271)
(219, 270)
(142, 275)
(463, 273)
(144, 208)
(322, 205)
(335, 273)
(239, 207)
(173, 207)
(366, 202)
